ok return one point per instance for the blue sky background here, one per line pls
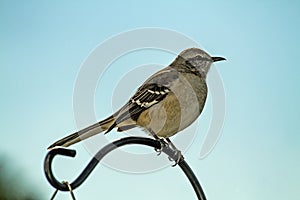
(43, 44)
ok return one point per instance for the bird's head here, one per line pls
(196, 58)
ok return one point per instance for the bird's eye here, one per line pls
(188, 62)
(198, 57)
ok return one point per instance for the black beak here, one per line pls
(216, 59)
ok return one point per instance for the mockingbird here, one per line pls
(166, 103)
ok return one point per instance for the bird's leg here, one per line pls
(177, 153)
(162, 142)
(171, 144)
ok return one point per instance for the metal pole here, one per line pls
(59, 185)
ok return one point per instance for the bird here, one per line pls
(166, 103)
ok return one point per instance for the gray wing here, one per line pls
(154, 90)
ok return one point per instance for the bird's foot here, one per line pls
(177, 156)
(169, 148)
(163, 145)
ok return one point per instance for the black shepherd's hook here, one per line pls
(105, 150)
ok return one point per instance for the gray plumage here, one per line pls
(166, 103)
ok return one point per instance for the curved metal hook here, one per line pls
(105, 150)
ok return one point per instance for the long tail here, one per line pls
(84, 133)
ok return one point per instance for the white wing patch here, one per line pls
(158, 92)
(146, 104)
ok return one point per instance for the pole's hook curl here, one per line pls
(105, 150)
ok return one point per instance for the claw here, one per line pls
(158, 151)
(177, 158)
(163, 144)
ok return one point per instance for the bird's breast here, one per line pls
(179, 109)
(191, 92)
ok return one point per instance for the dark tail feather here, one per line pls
(84, 133)
(111, 127)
